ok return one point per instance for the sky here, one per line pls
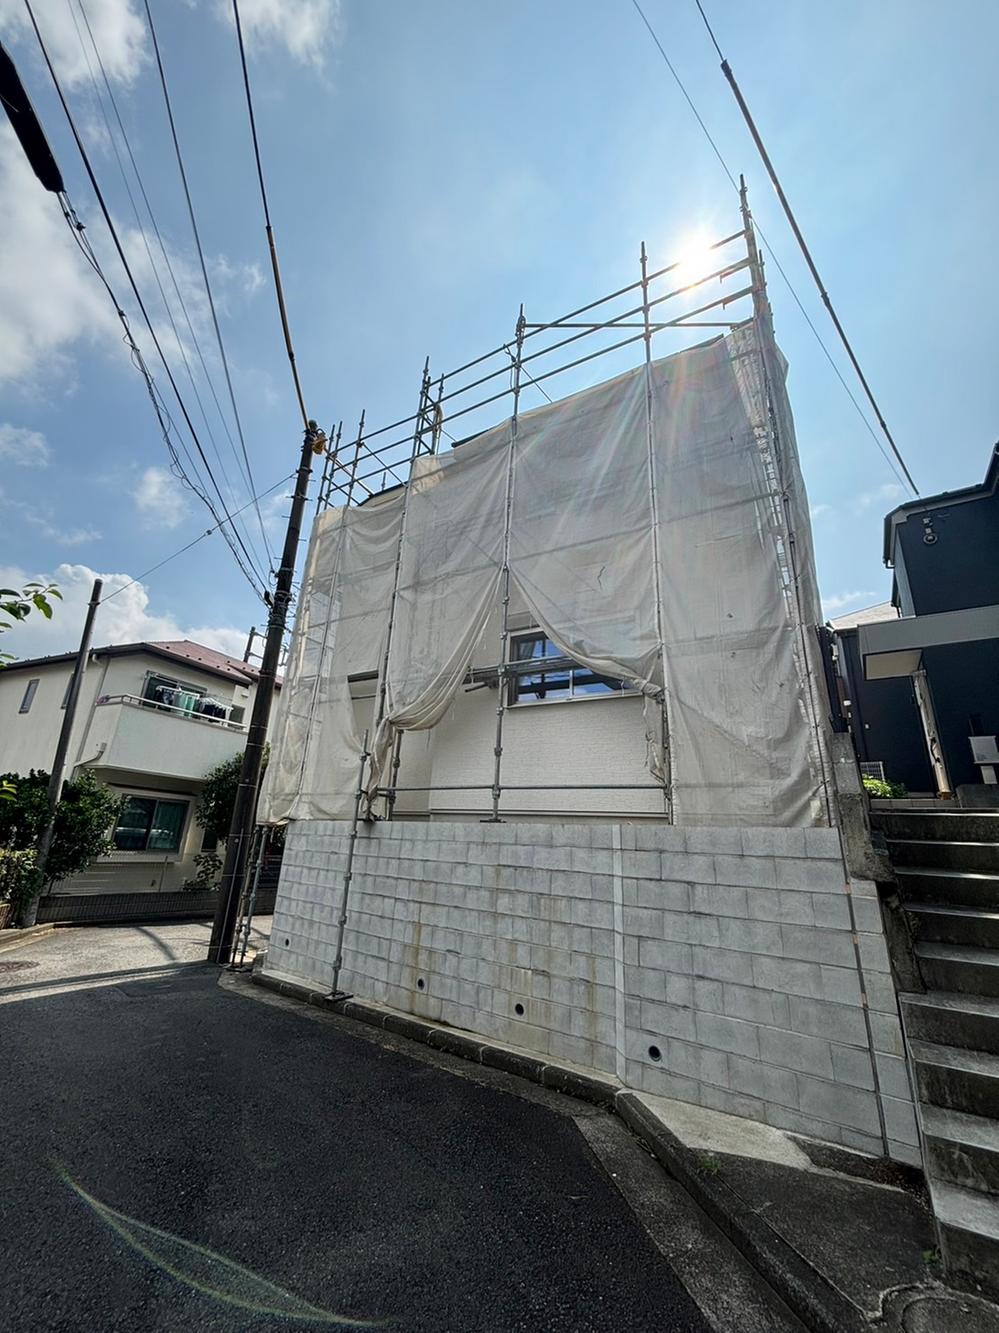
(430, 166)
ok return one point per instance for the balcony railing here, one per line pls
(188, 714)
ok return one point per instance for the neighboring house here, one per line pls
(883, 714)
(924, 676)
(152, 720)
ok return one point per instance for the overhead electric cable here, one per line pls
(78, 226)
(200, 538)
(162, 248)
(770, 250)
(204, 274)
(278, 289)
(799, 237)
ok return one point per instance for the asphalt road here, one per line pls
(176, 1154)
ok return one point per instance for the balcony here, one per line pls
(142, 736)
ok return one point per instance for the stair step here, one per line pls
(969, 1234)
(962, 888)
(944, 854)
(944, 924)
(970, 1022)
(945, 825)
(955, 1078)
(962, 1149)
(958, 967)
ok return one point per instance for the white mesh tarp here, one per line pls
(646, 524)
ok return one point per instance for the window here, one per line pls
(562, 679)
(147, 825)
(69, 686)
(29, 695)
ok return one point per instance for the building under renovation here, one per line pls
(552, 747)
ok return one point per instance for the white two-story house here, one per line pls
(153, 719)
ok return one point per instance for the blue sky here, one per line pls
(430, 166)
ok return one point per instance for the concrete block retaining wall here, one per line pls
(715, 966)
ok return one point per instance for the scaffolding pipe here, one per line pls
(505, 576)
(348, 874)
(247, 908)
(664, 732)
(383, 676)
(762, 319)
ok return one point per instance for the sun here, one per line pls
(696, 260)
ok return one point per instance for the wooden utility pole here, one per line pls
(244, 812)
(30, 910)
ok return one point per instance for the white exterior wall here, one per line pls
(729, 951)
(137, 751)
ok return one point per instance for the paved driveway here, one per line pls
(178, 1154)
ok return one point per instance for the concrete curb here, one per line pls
(25, 936)
(803, 1288)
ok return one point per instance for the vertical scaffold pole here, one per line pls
(502, 672)
(664, 732)
(348, 874)
(358, 446)
(763, 324)
(383, 681)
(248, 905)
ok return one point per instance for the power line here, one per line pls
(279, 291)
(77, 228)
(148, 249)
(799, 237)
(769, 248)
(204, 274)
(200, 538)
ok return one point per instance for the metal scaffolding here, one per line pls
(660, 303)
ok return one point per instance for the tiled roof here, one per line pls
(870, 615)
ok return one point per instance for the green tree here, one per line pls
(218, 795)
(18, 603)
(84, 819)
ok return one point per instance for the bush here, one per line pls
(883, 789)
(84, 819)
(18, 877)
(218, 796)
(209, 872)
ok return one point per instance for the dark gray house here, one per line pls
(920, 677)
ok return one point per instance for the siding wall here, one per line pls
(726, 953)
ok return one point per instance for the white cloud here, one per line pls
(307, 29)
(246, 278)
(42, 517)
(118, 30)
(883, 497)
(840, 601)
(125, 618)
(27, 448)
(161, 498)
(49, 298)
(820, 510)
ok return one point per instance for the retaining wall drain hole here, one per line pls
(518, 1009)
(420, 983)
(287, 943)
(655, 1053)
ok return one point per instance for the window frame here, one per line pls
(151, 823)
(516, 699)
(28, 698)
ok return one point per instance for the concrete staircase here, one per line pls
(947, 865)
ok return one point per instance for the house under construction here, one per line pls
(552, 746)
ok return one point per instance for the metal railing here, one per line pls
(189, 714)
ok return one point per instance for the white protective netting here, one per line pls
(646, 524)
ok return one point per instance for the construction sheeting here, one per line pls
(646, 524)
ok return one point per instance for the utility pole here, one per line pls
(245, 807)
(30, 911)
